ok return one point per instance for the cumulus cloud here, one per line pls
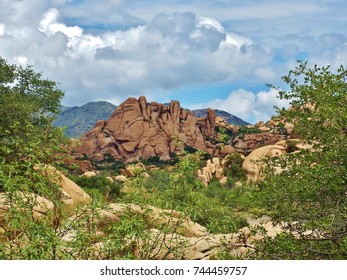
(247, 105)
(50, 25)
(126, 48)
(2, 29)
(168, 52)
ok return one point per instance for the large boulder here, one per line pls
(138, 129)
(253, 163)
(214, 168)
(72, 194)
(40, 205)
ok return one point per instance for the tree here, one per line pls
(309, 196)
(28, 142)
(28, 105)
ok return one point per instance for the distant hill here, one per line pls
(231, 119)
(80, 119)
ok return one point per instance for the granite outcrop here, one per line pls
(139, 129)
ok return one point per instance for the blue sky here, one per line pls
(217, 54)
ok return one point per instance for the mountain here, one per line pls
(231, 119)
(79, 119)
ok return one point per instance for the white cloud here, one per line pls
(210, 23)
(266, 74)
(50, 25)
(120, 48)
(170, 51)
(22, 60)
(247, 105)
(2, 29)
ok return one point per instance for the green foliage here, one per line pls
(310, 193)
(225, 134)
(26, 97)
(109, 163)
(216, 207)
(291, 146)
(248, 130)
(27, 138)
(156, 161)
(28, 143)
(190, 149)
(233, 168)
(104, 185)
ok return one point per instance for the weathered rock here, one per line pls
(227, 150)
(246, 143)
(40, 205)
(133, 169)
(213, 168)
(89, 174)
(203, 178)
(253, 163)
(138, 129)
(121, 178)
(83, 165)
(74, 194)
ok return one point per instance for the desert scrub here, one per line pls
(100, 183)
(215, 207)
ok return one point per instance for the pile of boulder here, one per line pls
(138, 129)
(214, 168)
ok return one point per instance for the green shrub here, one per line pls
(215, 207)
(190, 149)
(100, 183)
(233, 168)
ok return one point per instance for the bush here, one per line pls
(215, 207)
(233, 169)
(310, 192)
(101, 183)
(190, 149)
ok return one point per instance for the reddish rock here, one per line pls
(139, 129)
(246, 143)
(227, 150)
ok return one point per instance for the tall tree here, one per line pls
(28, 104)
(28, 142)
(310, 195)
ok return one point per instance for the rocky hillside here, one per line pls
(229, 118)
(79, 119)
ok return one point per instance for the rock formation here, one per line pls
(253, 163)
(246, 143)
(213, 168)
(138, 129)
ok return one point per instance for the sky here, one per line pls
(217, 54)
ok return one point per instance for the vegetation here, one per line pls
(216, 207)
(233, 169)
(27, 138)
(105, 185)
(28, 142)
(310, 193)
